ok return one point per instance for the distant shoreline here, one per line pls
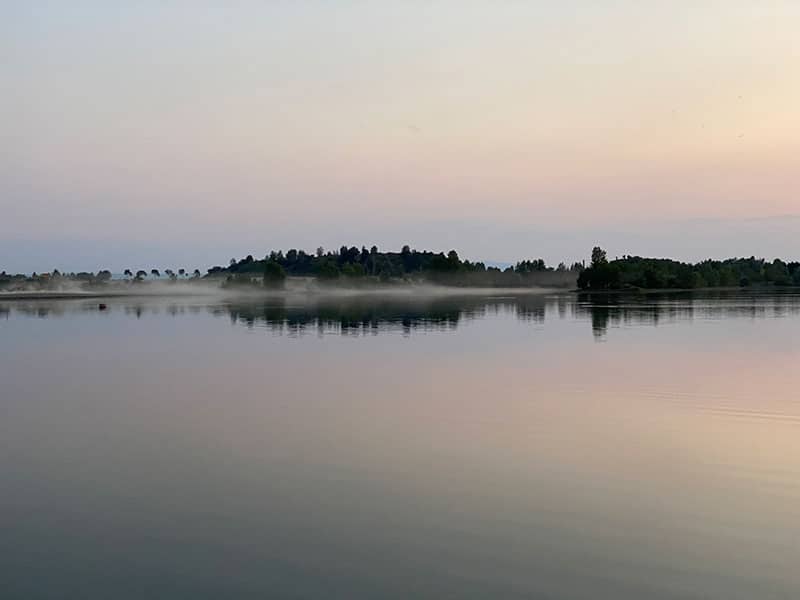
(94, 295)
(350, 270)
(732, 288)
(394, 290)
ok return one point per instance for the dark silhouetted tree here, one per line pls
(598, 256)
(274, 275)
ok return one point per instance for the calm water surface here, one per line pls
(473, 447)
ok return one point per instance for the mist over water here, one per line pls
(482, 445)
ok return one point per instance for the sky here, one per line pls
(185, 133)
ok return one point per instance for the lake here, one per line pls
(476, 446)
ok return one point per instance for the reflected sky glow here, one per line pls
(516, 451)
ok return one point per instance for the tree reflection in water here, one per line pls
(374, 314)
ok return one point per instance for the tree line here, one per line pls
(663, 273)
(364, 265)
(55, 279)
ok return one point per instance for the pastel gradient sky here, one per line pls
(139, 133)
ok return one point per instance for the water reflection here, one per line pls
(508, 456)
(620, 310)
(363, 315)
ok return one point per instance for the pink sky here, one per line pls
(265, 122)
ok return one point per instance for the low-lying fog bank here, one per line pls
(294, 288)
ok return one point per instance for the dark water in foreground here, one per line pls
(538, 447)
